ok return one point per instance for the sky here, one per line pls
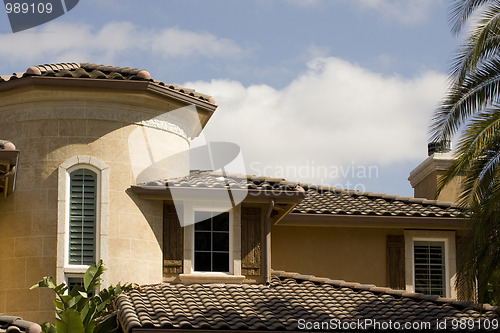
(330, 92)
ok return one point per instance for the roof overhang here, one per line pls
(205, 109)
(372, 221)
(284, 201)
(202, 193)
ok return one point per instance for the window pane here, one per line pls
(221, 262)
(221, 222)
(202, 241)
(221, 241)
(202, 262)
(205, 222)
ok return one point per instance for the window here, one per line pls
(429, 267)
(82, 217)
(212, 246)
(72, 281)
(211, 242)
(430, 262)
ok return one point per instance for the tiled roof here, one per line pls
(322, 200)
(289, 298)
(214, 179)
(11, 324)
(327, 200)
(95, 71)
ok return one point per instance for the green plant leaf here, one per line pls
(48, 328)
(92, 277)
(69, 321)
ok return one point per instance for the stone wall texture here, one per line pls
(51, 125)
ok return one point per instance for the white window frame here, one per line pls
(448, 238)
(234, 274)
(64, 269)
(231, 246)
(70, 268)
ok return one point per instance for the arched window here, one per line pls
(82, 217)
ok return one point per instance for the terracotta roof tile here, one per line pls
(335, 201)
(280, 305)
(214, 179)
(95, 71)
(12, 324)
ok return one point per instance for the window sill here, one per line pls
(211, 278)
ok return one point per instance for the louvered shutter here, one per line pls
(82, 217)
(173, 241)
(429, 262)
(251, 253)
(395, 261)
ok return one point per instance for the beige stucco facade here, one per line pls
(328, 247)
(57, 128)
(350, 254)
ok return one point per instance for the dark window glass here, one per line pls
(211, 242)
(220, 241)
(220, 262)
(202, 241)
(203, 261)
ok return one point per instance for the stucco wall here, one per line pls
(51, 125)
(350, 254)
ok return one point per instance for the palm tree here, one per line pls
(472, 106)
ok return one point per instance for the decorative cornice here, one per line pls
(435, 162)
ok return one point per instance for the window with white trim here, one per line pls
(211, 242)
(212, 245)
(429, 267)
(430, 262)
(82, 217)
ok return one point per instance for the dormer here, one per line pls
(217, 226)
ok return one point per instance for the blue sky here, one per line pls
(331, 92)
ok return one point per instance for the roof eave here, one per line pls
(204, 108)
(203, 193)
(373, 221)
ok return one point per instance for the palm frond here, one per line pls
(478, 91)
(461, 11)
(479, 45)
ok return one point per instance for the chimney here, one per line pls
(424, 178)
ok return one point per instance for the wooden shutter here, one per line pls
(395, 257)
(459, 259)
(173, 241)
(251, 241)
(82, 217)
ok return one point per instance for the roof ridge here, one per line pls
(384, 290)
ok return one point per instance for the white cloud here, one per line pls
(407, 12)
(62, 41)
(336, 114)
